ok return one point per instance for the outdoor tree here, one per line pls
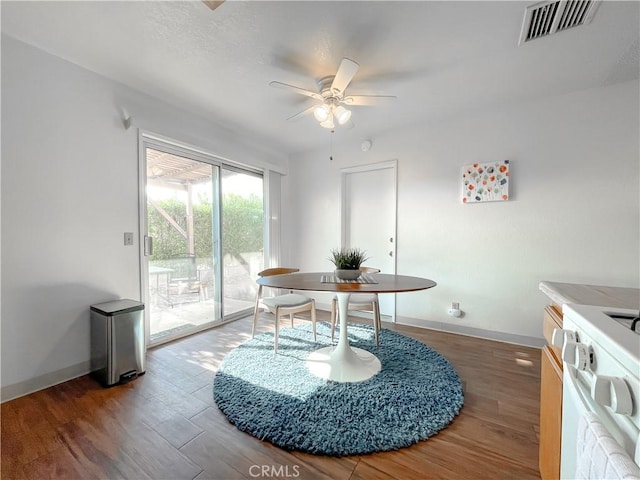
(241, 225)
(241, 229)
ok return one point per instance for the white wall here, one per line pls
(69, 191)
(573, 215)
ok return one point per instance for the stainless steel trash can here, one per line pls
(117, 341)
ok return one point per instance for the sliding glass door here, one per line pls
(203, 241)
(242, 239)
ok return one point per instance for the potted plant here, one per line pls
(347, 262)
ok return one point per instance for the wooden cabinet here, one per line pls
(550, 399)
(550, 415)
(551, 320)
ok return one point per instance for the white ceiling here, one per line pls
(438, 58)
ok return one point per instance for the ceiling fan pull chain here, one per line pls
(331, 145)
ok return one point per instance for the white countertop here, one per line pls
(564, 293)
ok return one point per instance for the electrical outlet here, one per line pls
(455, 311)
(128, 238)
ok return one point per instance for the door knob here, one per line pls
(391, 253)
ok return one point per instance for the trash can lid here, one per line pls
(117, 307)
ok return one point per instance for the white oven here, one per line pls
(601, 383)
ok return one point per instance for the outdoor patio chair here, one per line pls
(184, 284)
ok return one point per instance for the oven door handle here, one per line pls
(577, 392)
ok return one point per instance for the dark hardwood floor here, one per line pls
(164, 424)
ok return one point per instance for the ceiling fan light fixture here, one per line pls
(328, 123)
(342, 114)
(332, 98)
(322, 113)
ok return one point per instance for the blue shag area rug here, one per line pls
(275, 398)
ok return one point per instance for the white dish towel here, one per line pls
(599, 455)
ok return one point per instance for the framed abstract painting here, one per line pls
(485, 182)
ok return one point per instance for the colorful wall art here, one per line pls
(485, 182)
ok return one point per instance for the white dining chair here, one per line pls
(281, 305)
(363, 302)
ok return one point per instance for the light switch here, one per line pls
(128, 238)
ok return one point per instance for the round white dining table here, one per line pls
(344, 363)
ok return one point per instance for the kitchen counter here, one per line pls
(561, 293)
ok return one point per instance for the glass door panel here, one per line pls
(242, 239)
(182, 220)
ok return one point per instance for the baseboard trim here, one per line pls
(515, 339)
(43, 381)
(512, 338)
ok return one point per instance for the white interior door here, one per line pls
(369, 219)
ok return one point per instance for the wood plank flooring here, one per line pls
(164, 424)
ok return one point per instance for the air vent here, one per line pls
(549, 17)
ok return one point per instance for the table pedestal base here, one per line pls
(340, 364)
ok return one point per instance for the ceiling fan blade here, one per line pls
(299, 90)
(301, 114)
(368, 100)
(213, 4)
(344, 75)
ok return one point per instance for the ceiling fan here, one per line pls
(332, 101)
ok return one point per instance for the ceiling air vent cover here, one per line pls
(549, 17)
